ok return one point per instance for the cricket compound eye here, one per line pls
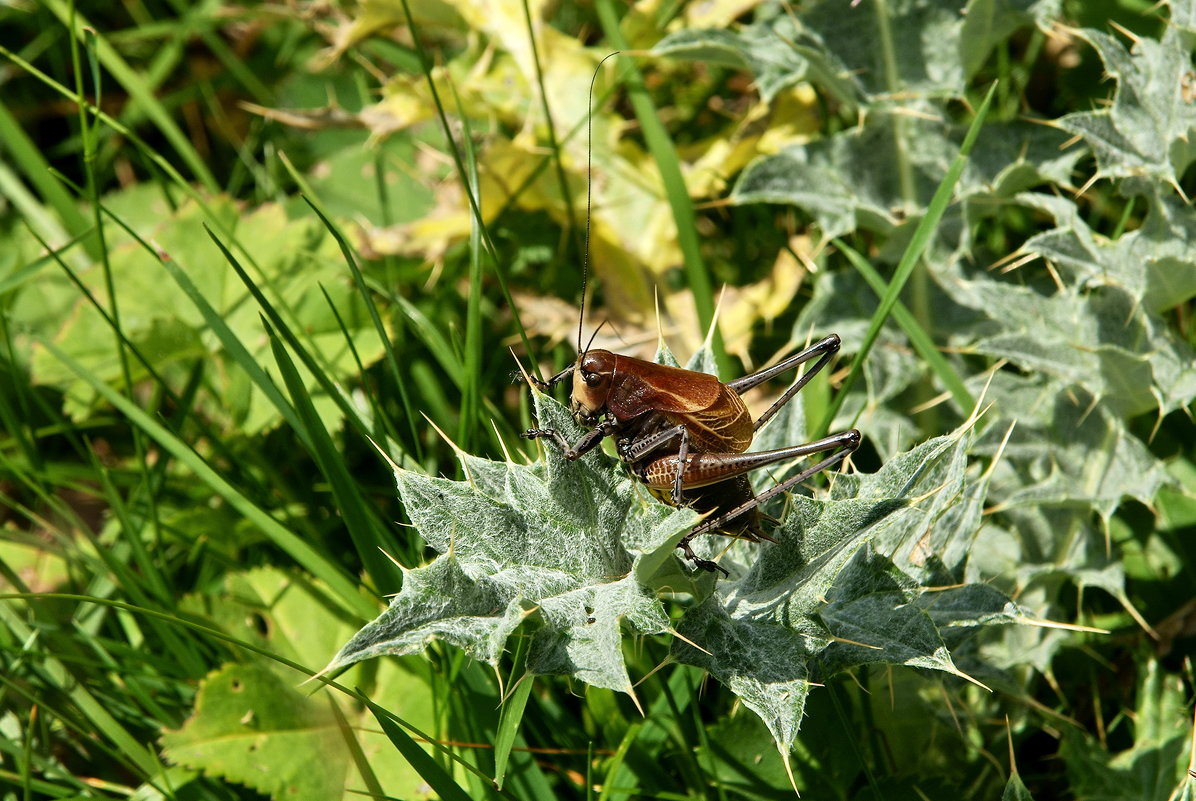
(591, 383)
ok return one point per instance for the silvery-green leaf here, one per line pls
(1150, 129)
(761, 634)
(573, 539)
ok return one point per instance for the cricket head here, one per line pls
(591, 385)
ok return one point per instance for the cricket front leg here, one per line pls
(587, 443)
(543, 386)
(635, 450)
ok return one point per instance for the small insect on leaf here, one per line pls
(685, 434)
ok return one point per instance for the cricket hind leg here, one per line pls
(823, 350)
(842, 445)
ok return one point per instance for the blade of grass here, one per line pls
(198, 21)
(419, 760)
(27, 157)
(463, 177)
(137, 88)
(368, 298)
(144, 149)
(609, 789)
(554, 146)
(87, 132)
(361, 761)
(508, 727)
(215, 321)
(100, 723)
(435, 341)
(918, 337)
(371, 544)
(16, 416)
(371, 396)
(395, 727)
(469, 416)
(909, 260)
(310, 559)
(665, 155)
(333, 391)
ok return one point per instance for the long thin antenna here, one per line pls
(585, 256)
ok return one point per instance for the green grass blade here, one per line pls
(144, 149)
(463, 176)
(215, 321)
(368, 298)
(15, 405)
(312, 560)
(913, 329)
(427, 768)
(128, 750)
(609, 789)
(909, 259)
(508, 726)
(554, 146)
(27, 157)
(469, 417)
(360, 759)
(366, 538)
(434, 340)
(139, 91)
(333, 391)
(379, 415)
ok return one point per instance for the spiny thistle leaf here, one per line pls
(1150, 129)
(772, 632)
(574, 540)
(578, 543)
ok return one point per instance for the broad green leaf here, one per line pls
(744, 757)
(878, 175)
(1098, 338)
(1155, 263)
(864, 53)
(251, 727)
(763, 49)
(968, 605)
(870, 615)
(1084, 455)
(858, 53)
(271, 608)
(292, 259)
(1177, 507)
(907, 46)
(765, 663)
(287, 614)
(847, 181)
(988, 23)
